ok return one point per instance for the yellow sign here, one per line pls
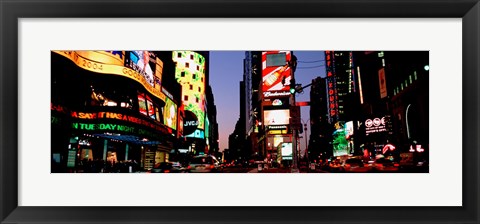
(93, 65)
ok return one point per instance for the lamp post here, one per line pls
(305, 134)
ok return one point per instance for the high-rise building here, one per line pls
(252, 102)
(320, 129)
(192, 73)
(342, 100)
(341, 84)
(393, 96)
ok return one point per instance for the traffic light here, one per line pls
(292, 86)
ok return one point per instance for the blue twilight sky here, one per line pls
(226, 72)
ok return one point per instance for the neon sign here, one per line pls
(117, 116)
(388, 147)
(332, 95)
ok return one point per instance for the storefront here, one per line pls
(109, 111)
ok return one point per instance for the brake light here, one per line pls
(167, 171)
(396, 165)
(212, 166)
(189, 167)
(379, 164)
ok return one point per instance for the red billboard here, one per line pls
(276, 74)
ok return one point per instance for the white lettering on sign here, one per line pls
(269, 94)
(375, 125)
(191, 123)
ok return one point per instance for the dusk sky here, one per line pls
(226, 72)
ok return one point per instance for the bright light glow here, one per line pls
(388, 147)
(360, 84)
(427, 67)
(411, 149)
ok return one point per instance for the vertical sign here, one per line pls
(331, 87)
(382, 82)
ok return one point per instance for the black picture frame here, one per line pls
(11, 11)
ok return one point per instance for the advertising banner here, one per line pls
(382, 83)
(286, 150)
(170, 114)
(276, 73)
(276, 117)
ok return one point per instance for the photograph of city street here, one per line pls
(272, 111)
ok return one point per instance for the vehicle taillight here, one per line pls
(396, 165)
(189, 167)
(167, 171)
(212, 166)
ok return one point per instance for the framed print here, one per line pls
(97, 97)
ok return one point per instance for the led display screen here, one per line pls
(286, 150)
(190, 73)
(148, 65)
(170, 114)
(142, 66)
(142, 104)
(151, 110)
(276, 117)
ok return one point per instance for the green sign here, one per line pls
(72, 155)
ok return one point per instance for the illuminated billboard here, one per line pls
(142, 104)
(130, 64)
(146, 64)
(340, 143)
(276, 73)
(276, 117)
(376, 125)
(190, 73)
(286, 150)
(170, 114)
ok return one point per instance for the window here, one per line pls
(191, 87)
(187, 64)
(182, 74)
(201, 79)
(199, 89)
(197, 100)
(185, 98)
(179, 55)
(198, 67)
(191, 56)
(194, 76)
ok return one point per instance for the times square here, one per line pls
(292, 112)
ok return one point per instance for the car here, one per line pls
(168, 167)
(204, 164)
(335, 166)
(385, 165)
(355, 165)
